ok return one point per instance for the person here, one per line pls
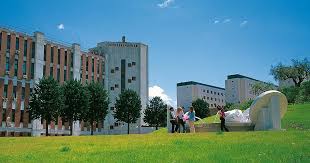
(172, 120)
(191, 119)
(221, 114)
(180, 121)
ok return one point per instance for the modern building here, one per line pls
(187, 92)
(239, 88)
(126, 68)
(26, 58)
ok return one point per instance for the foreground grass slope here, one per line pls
(292, 145)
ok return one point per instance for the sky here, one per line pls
(189, 40)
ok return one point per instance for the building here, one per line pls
(239, 88)
(126, 68)
(187, 92)
(26, 58)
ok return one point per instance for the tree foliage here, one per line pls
(291, 93)
(98, 104)
(156, 113)
(46, 101)
(304, 93)
(201, 108)
(76, 102)
(242, 106)
(299, 71)
(128, 107)
(260, 87)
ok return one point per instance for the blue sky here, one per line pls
(200, 40)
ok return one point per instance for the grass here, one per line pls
(292, 145)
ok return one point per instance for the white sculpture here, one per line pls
(267, 110)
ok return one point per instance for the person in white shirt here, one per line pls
(173, 120)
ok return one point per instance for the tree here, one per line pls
(201, 108)
(98, 105)
(128, 107)
(46, 101)
(75, 100)
(291, 93)
(299, 71)
(304, 93)
(260, 87)
(156, 113)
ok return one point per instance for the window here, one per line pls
(86, 64)
(5, 94)
(215, 93)
(25, 48)
(133, 63)
(112, 88)
(214, 99)
(58, 57)
(51, 71)
(112, 108)
(116, 68)
(207, 98)
(52, 54)
(7, 64)
(218, 93)
(23, 93)
(214, 105)
(71, 61)
(123, 74)
(112, 71)
(65, 75)
(134, 78)
(129, 80)
(44, 52)
(58, 74)
(66, 58)
(116, 85)
(15, 67)
(211, 105)
(8, 44)
(211, 99)
(129, 64)
(222, 94)
(17, 43)
(115, 124)
(204, 97)
(211, 92)
(14, 91)
(33, 47)
(207, 91)
(44, 68)
(111, 127)
(204, 91)
(93, 65)
(71, 74)
(24, 67)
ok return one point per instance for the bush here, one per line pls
(304, 93)
(242, 106)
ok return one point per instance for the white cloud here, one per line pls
(165, 3)
(216, 21)
(244, 23)
(157, 91)
(61, 26)
(227, 21)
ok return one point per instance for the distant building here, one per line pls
(126, 67)
(187, 92)
(239, 88)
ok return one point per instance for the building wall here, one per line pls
(187, 93)
(24, 60)
(126, 67)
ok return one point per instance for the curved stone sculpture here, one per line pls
(267, 110)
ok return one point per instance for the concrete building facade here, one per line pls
(239, 88)
(25, 59)
(126, 68)
(187, 92)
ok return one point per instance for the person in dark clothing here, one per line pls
(173, 120)
(179, 118)
(221, 114)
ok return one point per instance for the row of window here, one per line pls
(213, 92)
(211, 98)
(22, 112)
(14, 93)
(8, 45)
(124, 45)
(58, 73)
(117, 68)
(58, 56)
(129, 81)
(24, 66)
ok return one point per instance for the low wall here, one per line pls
(215, 127)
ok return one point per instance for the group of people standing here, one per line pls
(178, 119)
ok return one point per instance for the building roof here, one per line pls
(235, 76)
(196, 83)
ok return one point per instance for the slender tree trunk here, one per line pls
(46, 128)
(91, 128)
(128, 128)
(156, 127)
(127, 120)
(71, 127)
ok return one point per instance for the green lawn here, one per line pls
(292, 145)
